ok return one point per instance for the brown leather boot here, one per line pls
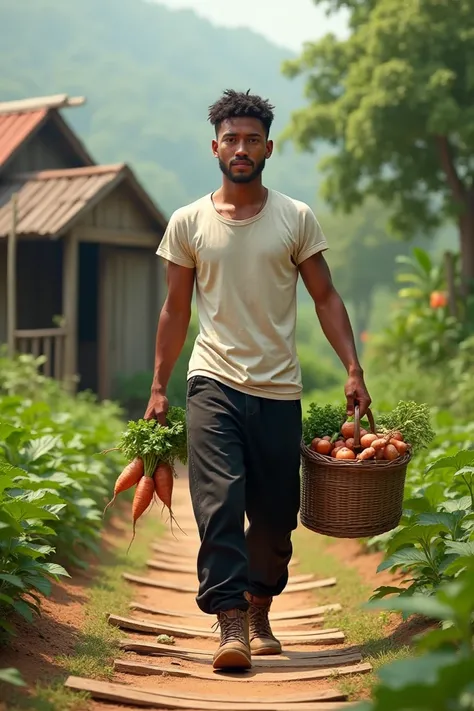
(234, 648)
(262, 639)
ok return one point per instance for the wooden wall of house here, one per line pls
(129, 308)
(119, 210)
(3, 291)
(46, 150)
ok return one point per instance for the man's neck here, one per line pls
(241, 194)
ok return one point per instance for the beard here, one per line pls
(243, 178)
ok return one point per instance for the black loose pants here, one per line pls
(244, 458)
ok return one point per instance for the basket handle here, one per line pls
(357, 423)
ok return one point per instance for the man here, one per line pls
(244, 246)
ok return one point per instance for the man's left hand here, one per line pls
(356, 393)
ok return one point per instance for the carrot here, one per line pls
(163, 477)
(367, 453)
(131, 475)
(400, 446)
(141, 501)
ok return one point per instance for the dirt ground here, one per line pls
(36, 646)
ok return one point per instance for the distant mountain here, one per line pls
(149, 75)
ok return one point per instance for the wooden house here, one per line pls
(79, 278)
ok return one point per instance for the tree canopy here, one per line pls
(394, 101)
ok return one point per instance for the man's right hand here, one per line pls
(157, 408)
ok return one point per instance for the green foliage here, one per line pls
(149, 75)
(418, 331)
(413, 420)
(435, 539)
(323, 421)
(156, 443)
(11, 676)
(441, 676)
(52, 483)
(395, 101)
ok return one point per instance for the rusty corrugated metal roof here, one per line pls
(15, 128)
(50, 201)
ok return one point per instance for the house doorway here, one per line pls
(88, 316)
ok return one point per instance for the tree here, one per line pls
(395, 102)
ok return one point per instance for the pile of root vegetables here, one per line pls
(405, 430)
(151, 451)
(377, 447)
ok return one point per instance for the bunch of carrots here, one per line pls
(151, 451)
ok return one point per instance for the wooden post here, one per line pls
(70, 307)
(451, 283)
(11, 277)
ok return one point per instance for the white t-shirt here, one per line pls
(246, 276)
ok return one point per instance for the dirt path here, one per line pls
(270, 679)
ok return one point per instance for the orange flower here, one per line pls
(364, 336)
(438, 300)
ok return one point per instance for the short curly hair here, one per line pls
(236, 104)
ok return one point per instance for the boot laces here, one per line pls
(232, 629)
(259, 622)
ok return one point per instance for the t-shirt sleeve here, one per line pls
(175, 246)
(311, 239)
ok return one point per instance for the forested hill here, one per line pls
(149, 75)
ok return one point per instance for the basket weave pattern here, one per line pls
(349, 499)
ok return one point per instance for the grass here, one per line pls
(365, 629)
(97, 646)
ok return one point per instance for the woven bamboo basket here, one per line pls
(351, 499)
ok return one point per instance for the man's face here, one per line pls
(242, 149)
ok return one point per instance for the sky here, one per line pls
(287, 23)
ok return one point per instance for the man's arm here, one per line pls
(336, 326)
(171, 335)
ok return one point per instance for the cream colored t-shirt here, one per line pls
(246, 276)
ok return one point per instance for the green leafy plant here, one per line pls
(421, 327)
(52, 483)
(435, 540)
(441, 676)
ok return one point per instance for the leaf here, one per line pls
(462, 459)
(6, 598)
(460, 548)
(37, 448)
(23, 609)
(55, 569)
(39, 583)
(442, 521)
(405, 556)
(23, 510)
(384, 590)
(423, 259)
(5, 430)
(415, 605)
(12, 580)
(419, 670)
(12, 676)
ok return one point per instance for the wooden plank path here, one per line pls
(153, 674)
